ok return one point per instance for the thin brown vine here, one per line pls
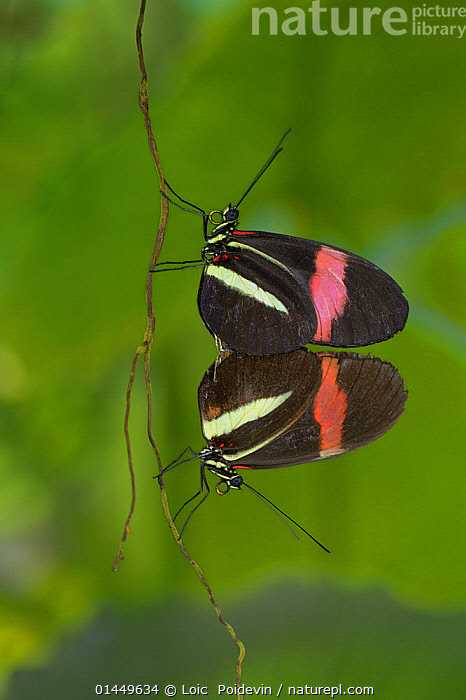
(145, 349)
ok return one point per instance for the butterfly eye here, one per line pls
(231, 214)
(236, 482)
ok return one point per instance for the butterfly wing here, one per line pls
(359, 398)
(270, 293)
(253, 303)
(247, 401)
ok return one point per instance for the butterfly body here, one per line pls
(265, 293)
(277, 411)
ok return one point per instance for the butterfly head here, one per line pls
(224, 223)
(213, 460)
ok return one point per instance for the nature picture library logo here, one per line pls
(423, 20)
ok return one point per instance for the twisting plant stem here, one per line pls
(145, 349)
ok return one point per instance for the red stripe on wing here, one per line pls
(330, 406)
(328, 290)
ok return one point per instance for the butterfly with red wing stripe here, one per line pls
(281, 410)
(266, 293)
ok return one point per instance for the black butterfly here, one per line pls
(280, 410)
(265, 293)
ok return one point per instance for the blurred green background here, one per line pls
(375, 163)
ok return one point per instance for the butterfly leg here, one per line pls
(203, 483)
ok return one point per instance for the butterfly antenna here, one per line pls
(274, 510)
(278, 510)
(269, 161)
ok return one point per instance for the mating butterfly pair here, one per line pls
(265, 294)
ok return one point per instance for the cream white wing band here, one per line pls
(229, 421)
(231, 279)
